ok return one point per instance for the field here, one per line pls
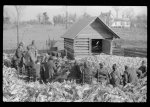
(17, 90)
(39, 33)
(135, 38)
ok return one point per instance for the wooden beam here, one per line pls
(82, 40)
(80, 49)
(86, 51)
(77, 54)
(84, 48)
(82, 43)
(69, 49)
(69, 40)
(68, 45)
(90, 46)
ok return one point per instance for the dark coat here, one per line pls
(87, 75)
(114, 78)
(19, 52)
(132, 76)
(142, 71)
(17, 60)
(75, 73)
(102, 74)
(125, 77)
(49, 69)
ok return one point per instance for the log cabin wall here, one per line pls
(82, 42)
(77, 40)
(81, 46)
(69, 46)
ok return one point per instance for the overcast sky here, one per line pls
(30, 12)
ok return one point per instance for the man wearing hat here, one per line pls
(115, 77)
(18, 57)
(33, 50)
(102, 73)
(49, 69)
(142, 70)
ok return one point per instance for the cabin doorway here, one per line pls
(96, 45)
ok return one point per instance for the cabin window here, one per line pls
(96, 45)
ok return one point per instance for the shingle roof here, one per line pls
(77, 27)
(81, 24)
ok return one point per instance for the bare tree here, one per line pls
(128, 13)
(19, 11)
(39, 17)
(45, 18)
(65, 10)
(86, 15)
(66, 17)
(116, 8)
(6, 17)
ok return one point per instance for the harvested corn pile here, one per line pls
(109, 60)
(16, 90)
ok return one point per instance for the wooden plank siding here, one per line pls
(81, 45)
(69, 46)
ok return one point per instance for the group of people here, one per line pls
(45, 68)
(25, 58)
(28, 61)
(83, 73)
(130, 75)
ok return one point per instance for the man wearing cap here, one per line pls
(114, 76)
(30, 65)
(18, 62)
(49, 69)
(142, 70)
(33, 51)
(86, 74)
(125, 76)
(102, 74)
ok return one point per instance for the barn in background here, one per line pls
(89, 36)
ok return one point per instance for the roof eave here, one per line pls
(115, 35)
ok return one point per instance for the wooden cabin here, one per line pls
(88, 36)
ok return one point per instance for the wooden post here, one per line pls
(66, 52)
(90, 44)
(111, 47)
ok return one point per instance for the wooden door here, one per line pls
(106, 46)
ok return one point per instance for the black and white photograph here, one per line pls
(65, 53)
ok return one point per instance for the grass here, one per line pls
(130, 38)
(39, 33)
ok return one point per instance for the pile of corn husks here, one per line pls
(16, 90)
(109, 60)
